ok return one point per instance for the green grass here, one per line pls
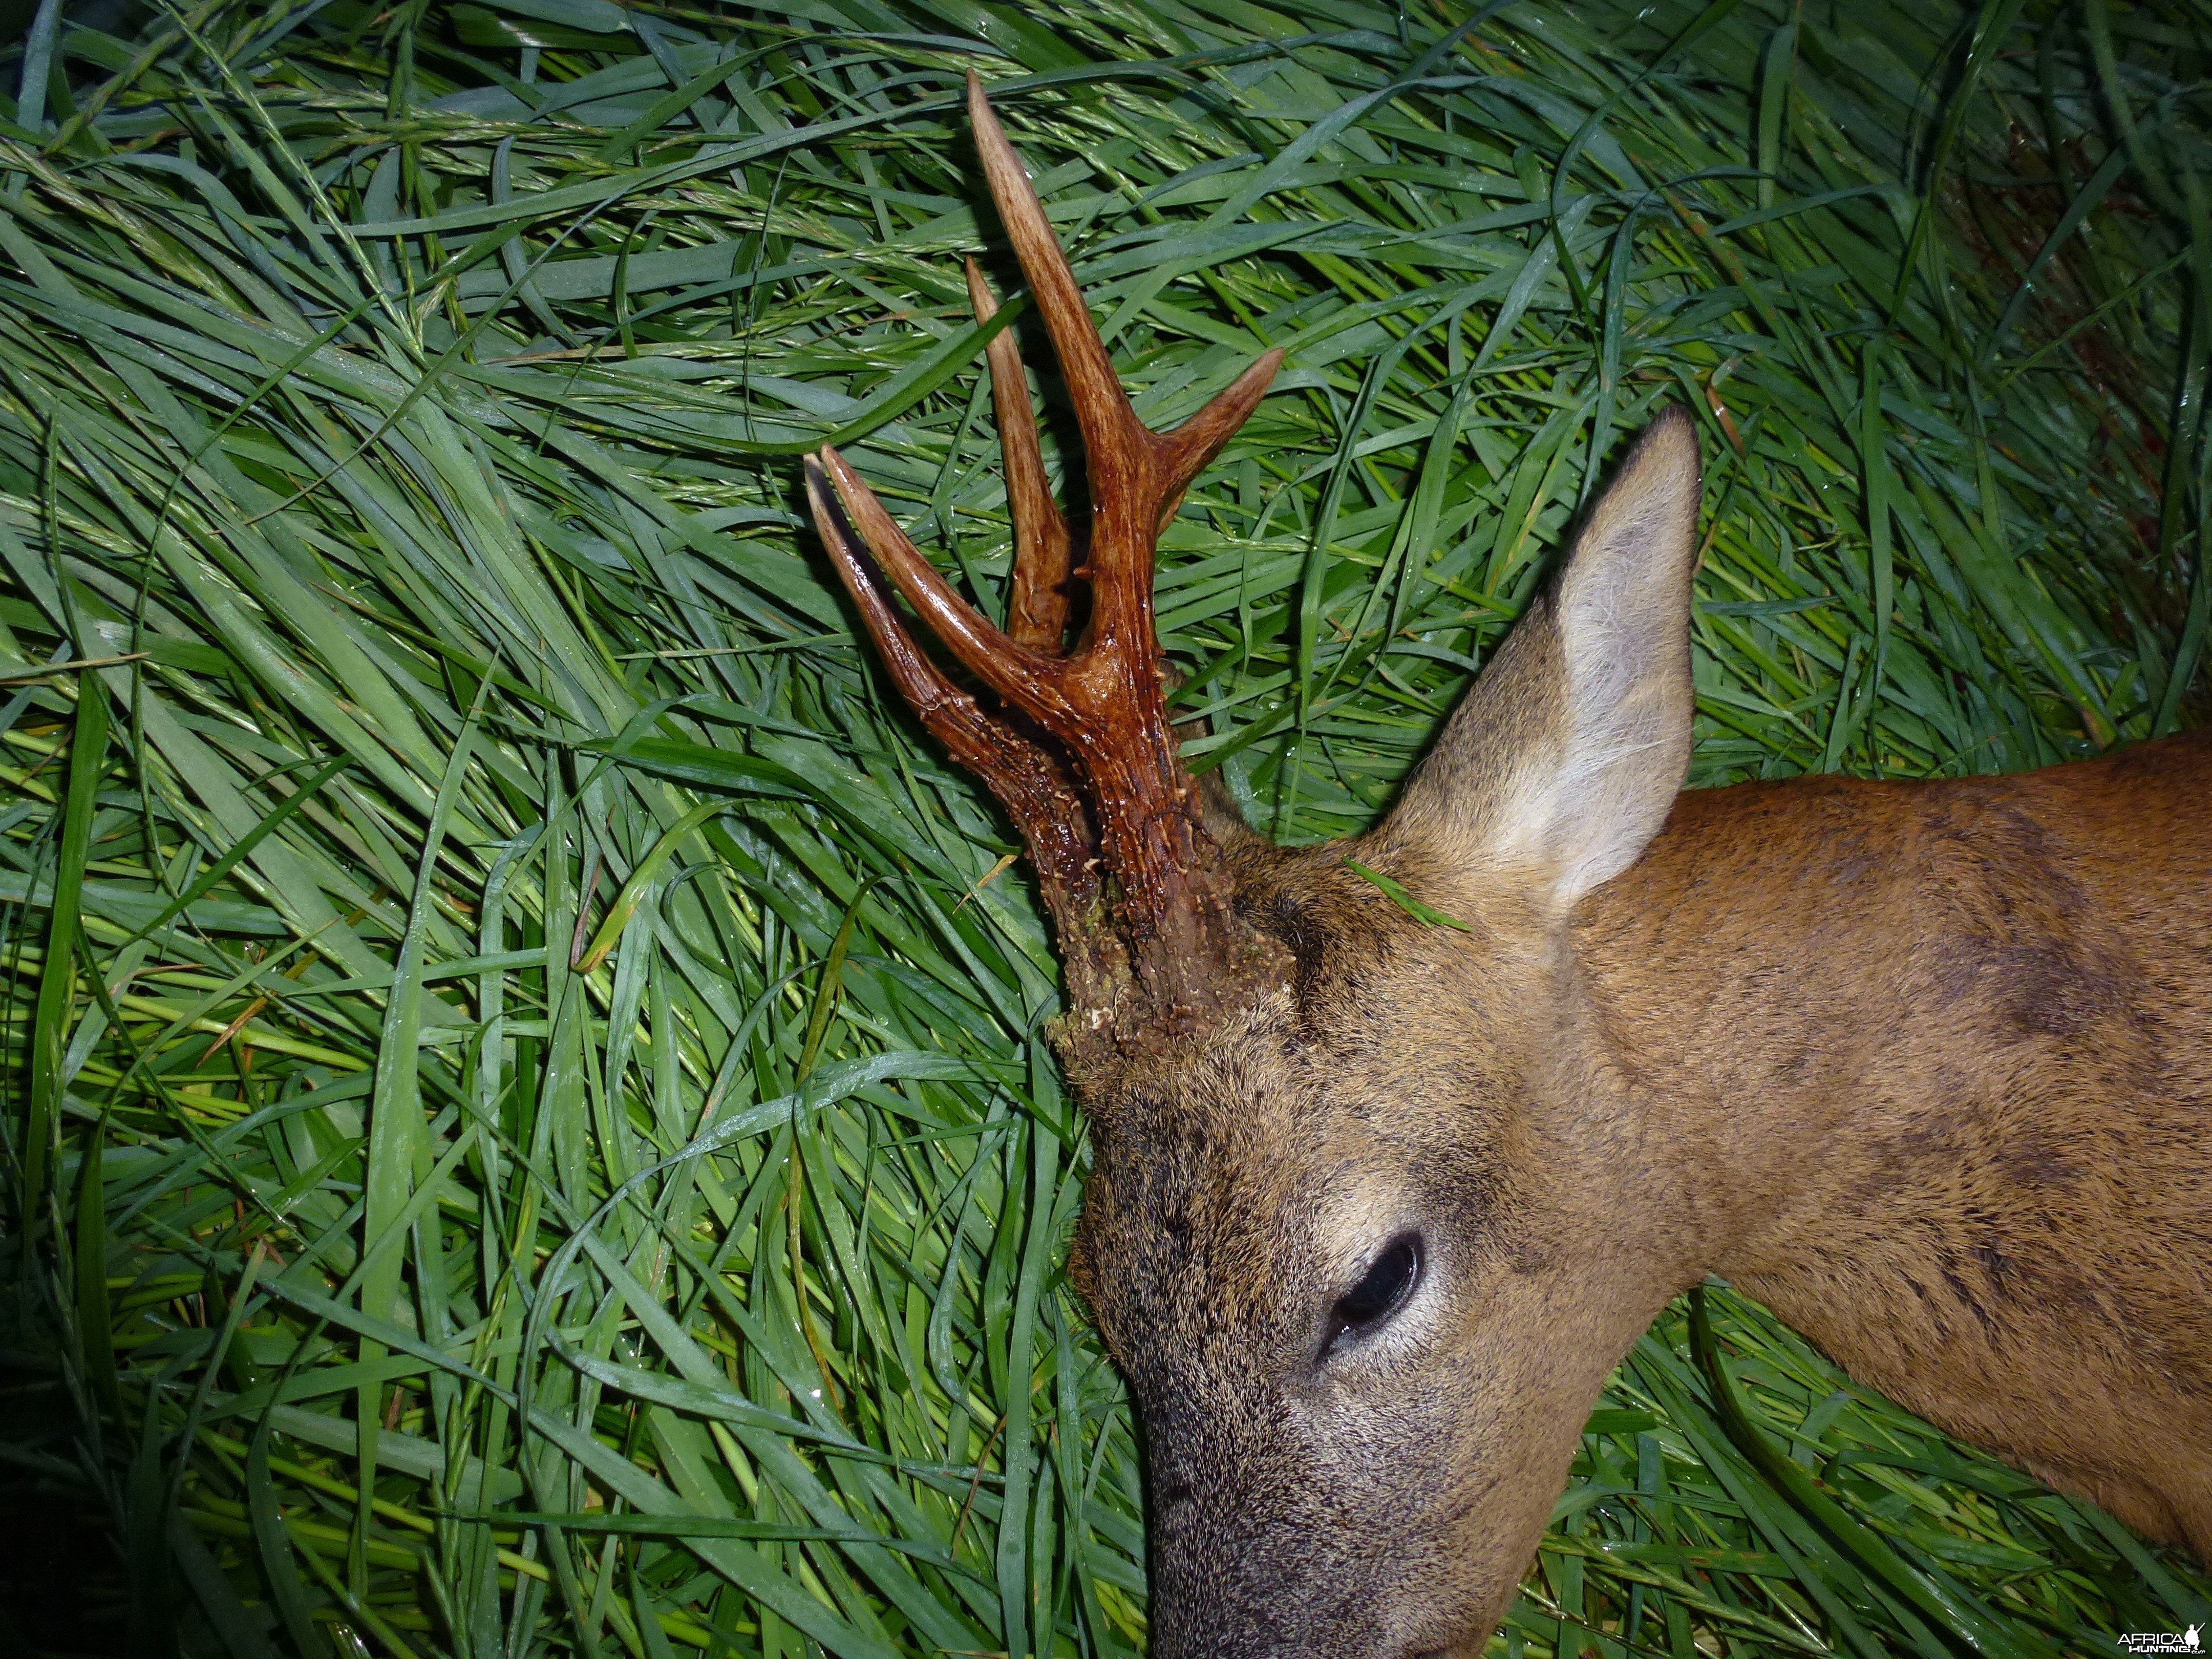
(399, 415)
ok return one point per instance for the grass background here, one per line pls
(527, 1128)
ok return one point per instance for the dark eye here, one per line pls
(1379, 1292)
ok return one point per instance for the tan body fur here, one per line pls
(1936, 1055)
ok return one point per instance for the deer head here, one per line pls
(1339, 1234)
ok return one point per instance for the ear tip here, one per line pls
(1675, 426)
(1669, 443)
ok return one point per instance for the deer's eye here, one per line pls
(1381, 1291)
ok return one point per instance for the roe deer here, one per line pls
(1377, 1205)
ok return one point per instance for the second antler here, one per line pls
(1081, 751)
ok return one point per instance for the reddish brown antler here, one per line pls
(1036, 611)
(1097, 716)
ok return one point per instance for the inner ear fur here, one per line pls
(1561, 763)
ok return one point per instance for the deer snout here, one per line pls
(1294, 1588)
(1282, 1633)
(1226, 1590)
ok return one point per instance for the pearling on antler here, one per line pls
(1080, 750)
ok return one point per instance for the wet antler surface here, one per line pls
(1076, 743)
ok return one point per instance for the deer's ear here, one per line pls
(1567, 753)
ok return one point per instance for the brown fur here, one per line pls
(1954, 1075)
(1924, 1067)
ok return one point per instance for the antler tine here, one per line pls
(1030, 680)
(1199, 439)
(1027, 781)
(1137, 474)
(1036, 611)
(1100, 408)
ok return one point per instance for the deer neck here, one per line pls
(1912, 1056)
(1745, 985)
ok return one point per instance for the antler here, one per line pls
(1080, 752)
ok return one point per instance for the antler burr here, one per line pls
(1079, 749)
